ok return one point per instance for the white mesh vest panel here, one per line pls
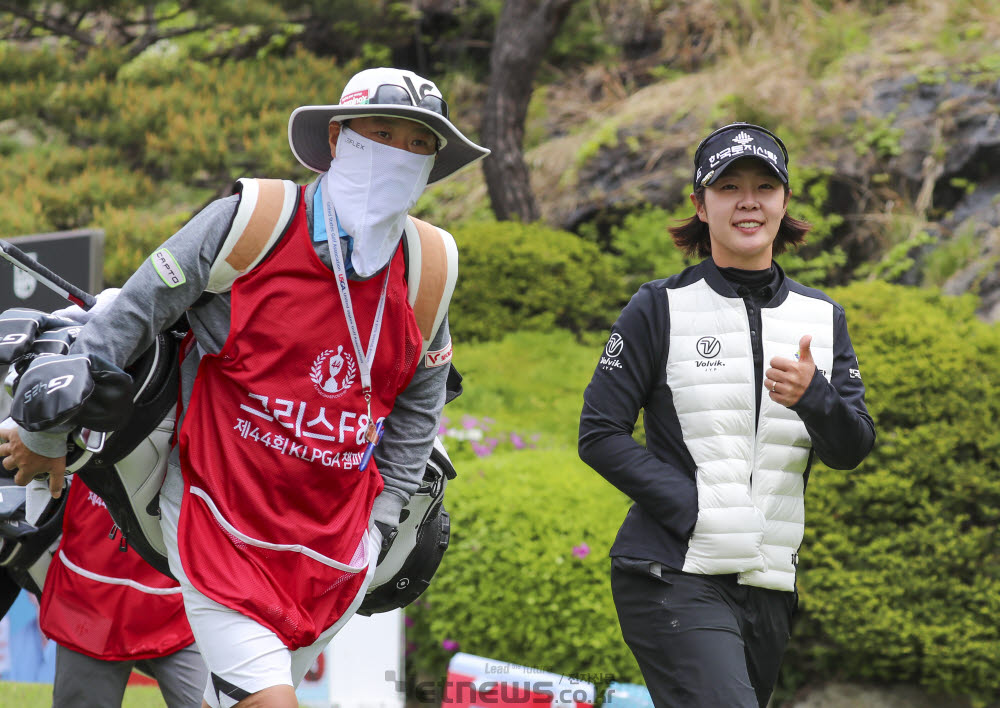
(750, 483)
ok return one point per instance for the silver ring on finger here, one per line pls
(774, 387)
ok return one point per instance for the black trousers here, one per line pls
(701, 641)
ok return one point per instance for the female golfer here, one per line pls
(744, 376)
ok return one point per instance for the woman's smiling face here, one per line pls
(743, 209)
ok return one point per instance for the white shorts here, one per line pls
(242, 655)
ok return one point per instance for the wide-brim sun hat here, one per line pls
(737, 141)
(308, 126)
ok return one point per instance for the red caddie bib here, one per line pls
(274, 519)
(103, 602)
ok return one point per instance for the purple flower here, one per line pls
(516, 441)
(449, 645)
(481, 450)
(408, 621)
(492, 442)
(442, 429)
(410, 648)
(581, 551)
(468, 422)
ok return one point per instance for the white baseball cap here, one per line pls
(383, 92)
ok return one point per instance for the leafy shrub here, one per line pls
(646, 250)
(951, 255)
(524, 597)
(515, 276)
(87, 145)
(526, 578)
(59, 187)
(901, 576)
(130, 235)
(510, 383)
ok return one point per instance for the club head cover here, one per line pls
(18, 327)
(110, 404)
(56, 390)
(56, 340)
(51, 391)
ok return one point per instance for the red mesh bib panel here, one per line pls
(128, 611)
(275, 512)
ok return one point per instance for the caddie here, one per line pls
(311, 385)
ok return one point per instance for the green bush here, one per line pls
(86, 145)
(528, 383)
(130, 235)
(515, 276)
(510, 587)
(901, 559)
(513, 585)
(645, 247)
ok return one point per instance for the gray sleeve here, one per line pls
(409, 434)
(147, 304)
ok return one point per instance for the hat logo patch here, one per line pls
(355, 98)
(743, 138)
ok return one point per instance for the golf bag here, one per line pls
(30, 528)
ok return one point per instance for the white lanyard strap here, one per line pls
(337, 257)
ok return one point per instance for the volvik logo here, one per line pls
(614, 346)
(609, 360)
(709, 347)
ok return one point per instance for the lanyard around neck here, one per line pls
(340, 271)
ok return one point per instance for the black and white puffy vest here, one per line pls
(749, 477)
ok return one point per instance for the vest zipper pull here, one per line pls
(114, 531)
(123, 545)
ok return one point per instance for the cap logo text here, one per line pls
(355, 98)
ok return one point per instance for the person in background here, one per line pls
(109, 612)
(744, 377)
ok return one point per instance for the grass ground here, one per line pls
(39, 695)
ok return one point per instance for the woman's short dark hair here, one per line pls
(692, 237)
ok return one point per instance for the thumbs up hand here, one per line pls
(787, 379)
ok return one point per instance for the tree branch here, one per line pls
(56, 25)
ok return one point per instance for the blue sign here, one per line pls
(25, 654)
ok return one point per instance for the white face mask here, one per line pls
(372, 188)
